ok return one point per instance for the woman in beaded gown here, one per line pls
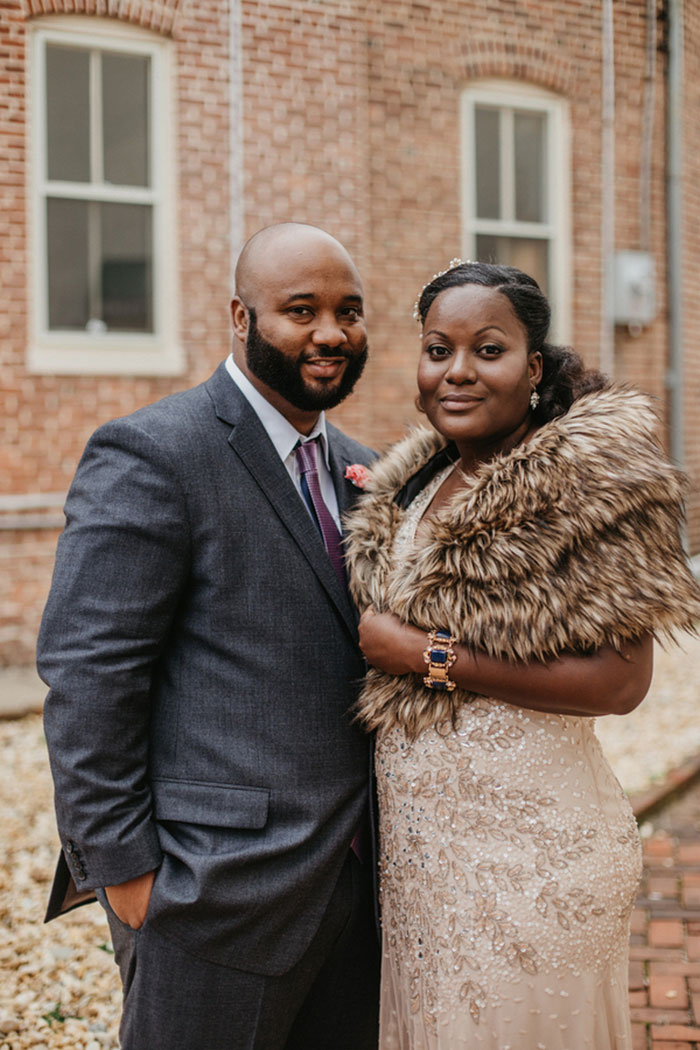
(537, 530)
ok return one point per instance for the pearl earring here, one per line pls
(534, 400)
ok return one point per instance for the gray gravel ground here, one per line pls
(21, 691)
(664, 730)
(58, 984)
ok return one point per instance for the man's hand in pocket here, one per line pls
(129, 900)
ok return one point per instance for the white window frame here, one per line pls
(508, 95)
(79, 352)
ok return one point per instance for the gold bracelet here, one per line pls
(439, 656)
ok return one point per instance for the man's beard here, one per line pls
(283, 374)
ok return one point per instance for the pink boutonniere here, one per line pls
(358, 474)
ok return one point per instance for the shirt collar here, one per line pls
(280, 431)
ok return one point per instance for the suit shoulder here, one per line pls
(351, 449)
(169, 418)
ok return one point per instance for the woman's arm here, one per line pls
(604, 683)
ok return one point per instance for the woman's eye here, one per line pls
(490, 350)
(436, 351)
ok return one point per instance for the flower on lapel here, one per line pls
(358, 474)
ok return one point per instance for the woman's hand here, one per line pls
(390, 645)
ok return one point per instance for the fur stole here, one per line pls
(566, 543)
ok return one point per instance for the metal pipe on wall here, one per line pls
(674, 215)
(607, 176)
(647, 148)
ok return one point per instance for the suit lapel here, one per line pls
(346, 492)
(250, 442)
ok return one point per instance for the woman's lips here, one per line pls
(459, 402)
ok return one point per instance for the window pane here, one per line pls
(127, 267)
(529, 255)
(488, 163)
(126, 118)
(68, 113)
(67, 223)
(100, 266)
(530, 166)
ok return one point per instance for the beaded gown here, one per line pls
(509, 864)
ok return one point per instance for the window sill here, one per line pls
(109, 355)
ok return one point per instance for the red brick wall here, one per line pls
(306, 145)
(26, 563)
(349, 119)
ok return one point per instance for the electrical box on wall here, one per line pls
(635, 288)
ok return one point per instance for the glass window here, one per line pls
(68, 114)
(529, 156)
(528, 254)
(104, 247)
(100, 263)
(99, 253)
(488, 162)
(124, 265)
(125, 119)
(516, 173)
(67, 228)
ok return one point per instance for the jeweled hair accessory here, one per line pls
(453, 263)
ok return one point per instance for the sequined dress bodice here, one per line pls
(509, 864)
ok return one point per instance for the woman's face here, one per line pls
(475, 375)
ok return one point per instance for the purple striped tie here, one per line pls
(308, 466)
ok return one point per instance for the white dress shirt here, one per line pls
(284, 437)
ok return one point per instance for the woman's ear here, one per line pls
(534, 363)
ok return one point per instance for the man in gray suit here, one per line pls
(200, 650)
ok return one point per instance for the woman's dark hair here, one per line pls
(564, 375)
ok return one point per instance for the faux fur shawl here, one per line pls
(566, 543)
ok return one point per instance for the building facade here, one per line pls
(142, 142)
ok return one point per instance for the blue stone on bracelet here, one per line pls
(438, 656)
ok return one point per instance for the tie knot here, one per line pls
(307, 456)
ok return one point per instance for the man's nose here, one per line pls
(328, 331)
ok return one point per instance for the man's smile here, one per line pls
(325, 367)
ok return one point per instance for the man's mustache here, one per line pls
(333, 352)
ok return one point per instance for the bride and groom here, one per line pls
(200, 645)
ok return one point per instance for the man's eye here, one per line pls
(300, 311)
(352, 312)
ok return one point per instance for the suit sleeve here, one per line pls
(121, 567)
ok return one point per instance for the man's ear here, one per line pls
(239, 318)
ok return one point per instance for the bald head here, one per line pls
(271, 250)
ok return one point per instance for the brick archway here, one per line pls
(518, 60)
(160, 16)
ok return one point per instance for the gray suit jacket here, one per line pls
(202, 660)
